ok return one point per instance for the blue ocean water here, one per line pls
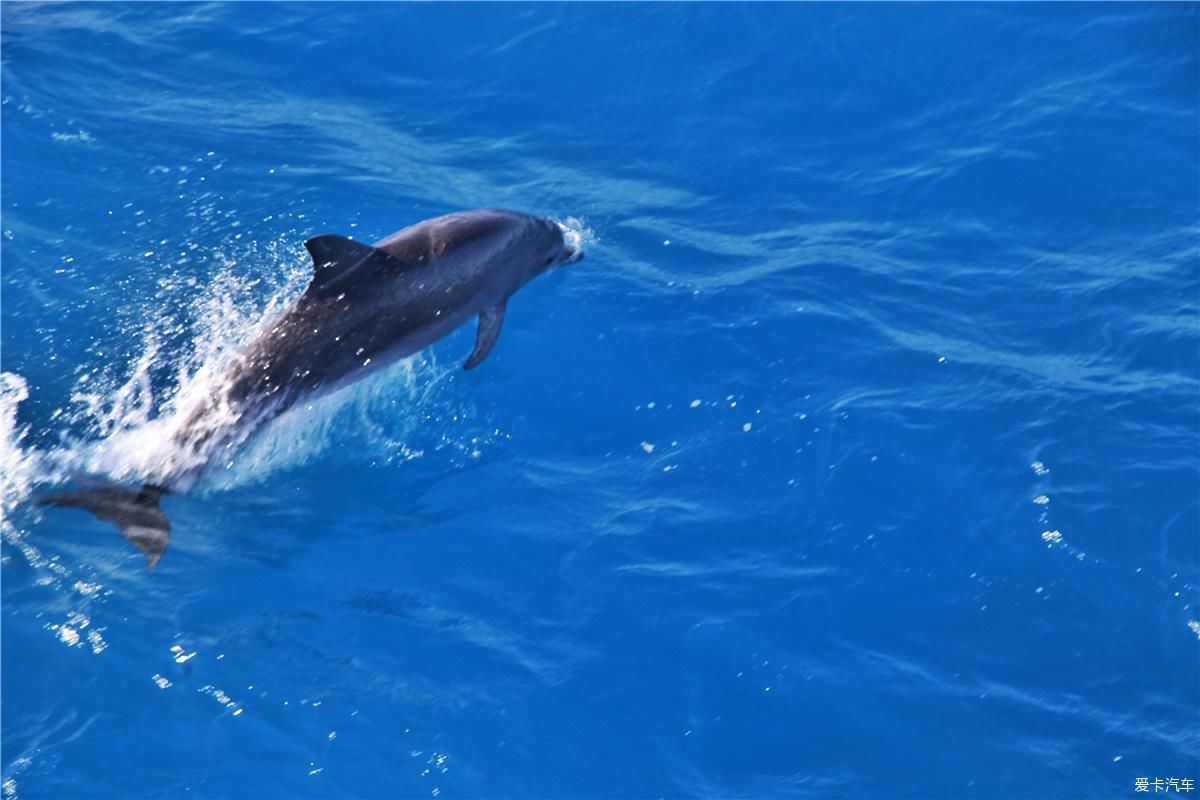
(859, 459)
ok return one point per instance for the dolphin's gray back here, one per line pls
(429, 240)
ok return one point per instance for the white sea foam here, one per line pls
(18, 467)
(575, 232)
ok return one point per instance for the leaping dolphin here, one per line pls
(366, 307)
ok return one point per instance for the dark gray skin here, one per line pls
(366, 308)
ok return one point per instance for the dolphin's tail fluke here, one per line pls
(134, 511)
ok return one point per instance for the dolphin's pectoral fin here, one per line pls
(134, 511)
(333, 254)
(489, 331)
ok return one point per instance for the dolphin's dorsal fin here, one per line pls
(329, 248)
(333, 254)
(489, 330)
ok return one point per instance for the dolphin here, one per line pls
(366, 307)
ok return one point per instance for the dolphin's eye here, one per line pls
(548, 260)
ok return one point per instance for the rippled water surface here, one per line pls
(858, 459)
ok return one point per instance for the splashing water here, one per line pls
(576, 233)
(123, 417)
(129, 422)
(18, 467)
